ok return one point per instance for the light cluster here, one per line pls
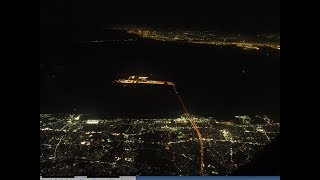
(120, 146)
(206, 37)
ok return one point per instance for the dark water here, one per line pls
(212, 81)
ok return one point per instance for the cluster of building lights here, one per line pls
(208, 38)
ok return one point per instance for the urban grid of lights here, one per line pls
(72, 144)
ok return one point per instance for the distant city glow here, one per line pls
(205, 37)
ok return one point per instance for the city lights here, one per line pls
(116, 143)
(199, 37)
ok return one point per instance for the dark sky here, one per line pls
(211, 83)
(64, 65)
(228, 15)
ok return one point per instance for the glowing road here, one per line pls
(195, 127)
(143, 80)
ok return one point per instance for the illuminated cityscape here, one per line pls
(84, 144)
(153, 88)
(206, 37)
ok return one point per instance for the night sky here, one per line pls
(76, 18)
(210, 79)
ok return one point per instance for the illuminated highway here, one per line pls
(143, 80)
(100, 145)
(194, 125)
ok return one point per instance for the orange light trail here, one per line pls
(143, 80)
(195, 127)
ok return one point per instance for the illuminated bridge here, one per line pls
(143, 80)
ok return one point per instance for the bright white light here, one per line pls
(128, 159)
(77, 118)
(85, 143)
(92, 122)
